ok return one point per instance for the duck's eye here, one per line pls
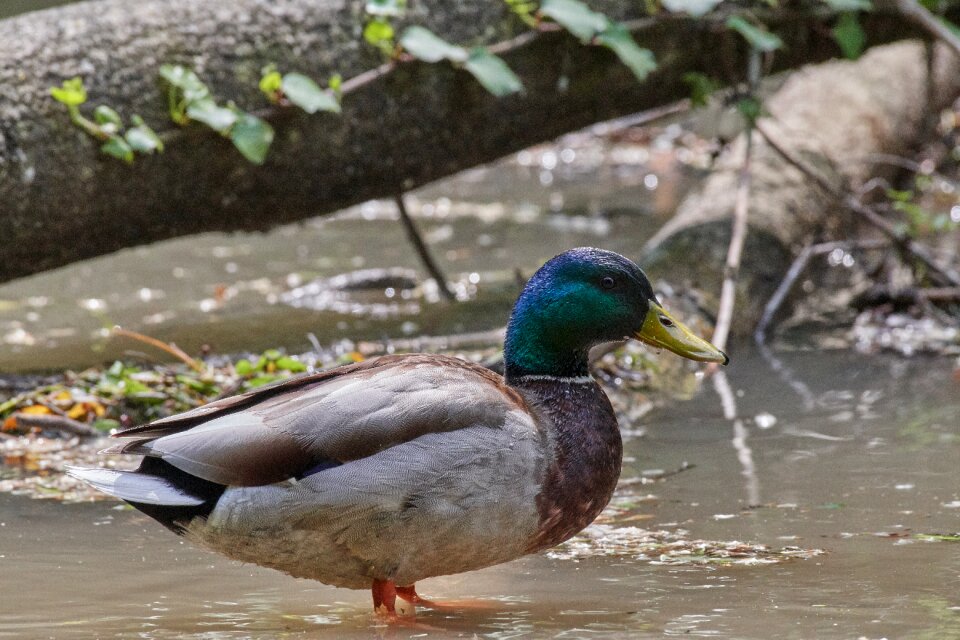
(608, 282)
(665, 321)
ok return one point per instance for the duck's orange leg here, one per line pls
(385, 597)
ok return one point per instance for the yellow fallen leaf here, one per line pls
(36, 409)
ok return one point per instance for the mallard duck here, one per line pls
(379, 474)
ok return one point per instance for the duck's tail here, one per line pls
(165, 493)
(134, 486)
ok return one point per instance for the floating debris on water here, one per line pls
(662, 547)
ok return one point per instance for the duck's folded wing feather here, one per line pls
(332, 417)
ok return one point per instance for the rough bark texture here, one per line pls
(64, 201)
(832, 116)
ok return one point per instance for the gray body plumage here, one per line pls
(435, 469)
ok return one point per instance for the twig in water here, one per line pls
(740, 435)
(58, 422)
(798, 266)
(939, 272)
(422, 250)
(171, 348)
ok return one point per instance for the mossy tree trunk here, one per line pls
(64, 201)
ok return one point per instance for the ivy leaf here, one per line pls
(186, 80)
(105, 115)
(307, 94)
(425, 45)
(640, 61)
(758, 38)
(379, 33)
(118, 148)
(492, 72)
(695, 8)
(575, 17)
(270, 82)
(142, 138)
(216, 117)
(71, 93)
(386, 7)
(252, 137)
(849, 35)
(849, 5)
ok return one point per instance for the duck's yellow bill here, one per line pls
(661, 330)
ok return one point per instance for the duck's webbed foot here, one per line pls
(410, 595)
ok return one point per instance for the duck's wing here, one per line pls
(328, 418)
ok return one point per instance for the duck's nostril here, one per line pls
(665, 321)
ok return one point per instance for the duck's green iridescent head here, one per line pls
(584, 297)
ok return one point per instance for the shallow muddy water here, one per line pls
(851, 454)
(239, 292)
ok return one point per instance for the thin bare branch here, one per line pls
(422, 250)
(944, 274)
(738, 233)
(799, 265)
(920, 16)
(171, 348)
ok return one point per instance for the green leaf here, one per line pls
(243, 367)
(425, 45)
(379, 33)
(216, 117)
(287, 363)
(71, 93)
(336, 81)
(105, 425)
(386, 7)
(186, 80)
(265, 379)
(695, 8)
(701, 87)
(750, 108)
(492, 72)
(849, 35)
(640, 61)
(118, 148)
(307, 94)
(142, 138)
(575, 17)
(524, 9)
(758, 38)
(850, 5)
(105, 115)
(252, 137)
(271, 81)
